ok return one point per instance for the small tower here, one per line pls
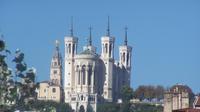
(56, 66)
(107, 55)
(125, 52)
(70, 51)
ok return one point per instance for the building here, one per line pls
(52, 90)
(91, 77)
(178, 97)
(196, 106)
(196, 103)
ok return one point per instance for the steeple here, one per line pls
(125, 38)
(108, 27)
(57, 52)
(90, 37)
(71, 28)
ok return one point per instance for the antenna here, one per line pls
(125, 39)
(90, 36)
(71, 28)
(108, 27)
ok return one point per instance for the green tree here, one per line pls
(7, 88)
(127, 93)
(25, 82)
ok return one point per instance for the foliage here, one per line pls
(44, 106)
(127, 93)
(7, 88)
(147, 108)
(128, 107)
(25, 81)
(108, 107)
(149, 92)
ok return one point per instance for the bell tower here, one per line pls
(56, 67)
(70, 51)
(125, 52)
(107, 55)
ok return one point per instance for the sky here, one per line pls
(165, 35)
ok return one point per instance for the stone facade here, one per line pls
(92, 78)
(52, 90)
(177, 98)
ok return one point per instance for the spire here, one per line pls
(90, 36)
(71, 29)
(125, 39)
(108, 27)
(57, 43)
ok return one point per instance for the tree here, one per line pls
(7, 88)
(149, 92)
(127, 93)
(25, 82)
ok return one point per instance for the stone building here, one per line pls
(91, 77)
(52, 90)
(196, 103)
(178, 97)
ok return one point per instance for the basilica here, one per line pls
(90, 78)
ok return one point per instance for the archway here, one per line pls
(82, 109)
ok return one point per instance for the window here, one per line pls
(54, 90)
(45, 90)
(83, 74)
(123, 57)
(106, 48)
(73, 48)
(110, 49)
(73, 98)
(69, 47)
(89, 75)
(127, 59)
(55, 63)
(79, 78)
(82, 97)
(55, 72)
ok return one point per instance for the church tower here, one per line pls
(70, 51)
(125, 52)
(107, 56)
(56, 67)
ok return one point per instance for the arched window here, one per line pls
(82, 97)
(79, 77)
(54, 90)
(123, 57)
(69, 47)
(78, 74)
(106, 46)
(127, 59)
(73, 49)
(83, 74)
(110, 50)
(82, 109)
(89, 75)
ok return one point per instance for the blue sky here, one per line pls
(165, 35)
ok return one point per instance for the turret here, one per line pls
(70, 52)
(107, 55)
(125, 52)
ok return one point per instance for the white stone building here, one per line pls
(90, 77)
